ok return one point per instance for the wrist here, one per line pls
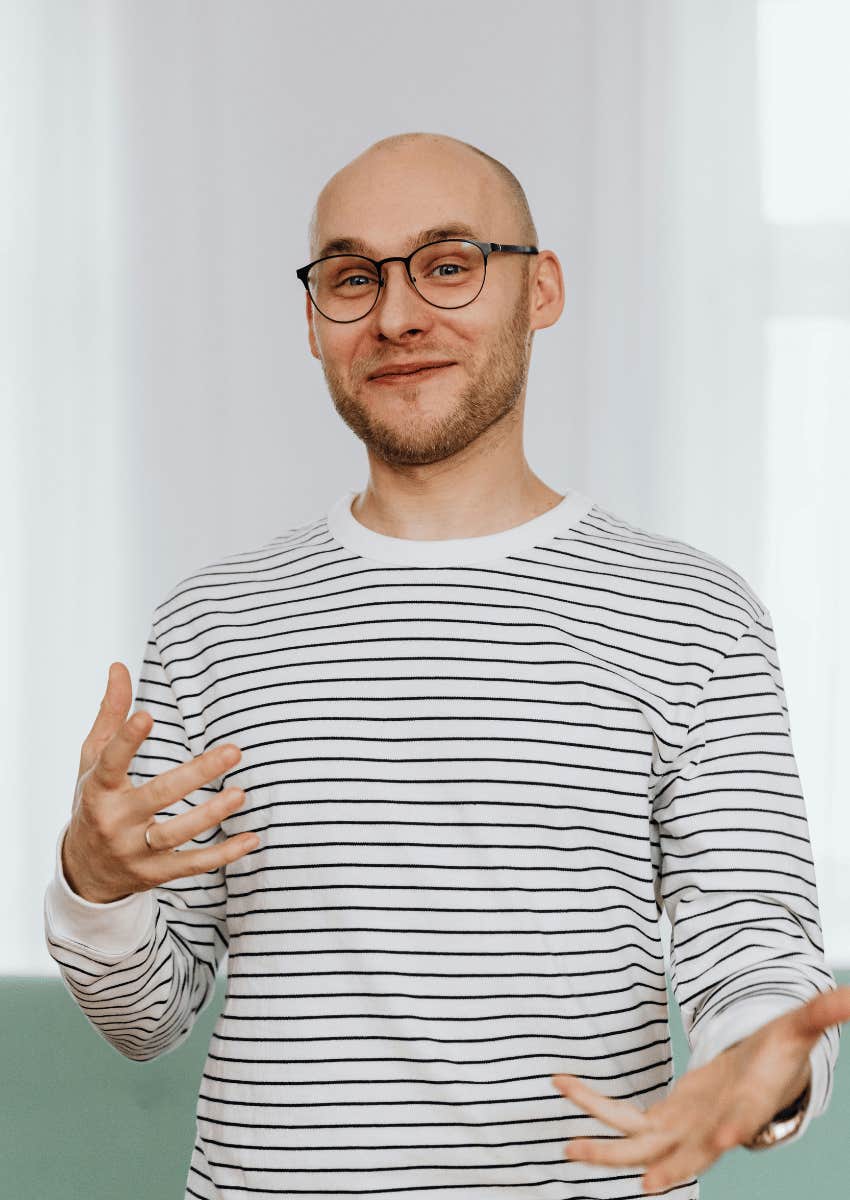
(798, 1087)
(783, 1124)
(75, 877)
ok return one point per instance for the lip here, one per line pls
(421, 373)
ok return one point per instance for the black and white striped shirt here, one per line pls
(479, 768)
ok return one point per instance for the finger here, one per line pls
(112, 712)
(689, 1160)
(113, 761)
(822, 1011)
(180, 864)
(176, 831)
(180, 781)
(639, 1149)
(623, 1115)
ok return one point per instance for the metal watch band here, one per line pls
(786, 1122)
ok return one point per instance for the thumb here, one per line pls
(822, 1011)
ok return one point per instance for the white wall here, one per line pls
(161, 406)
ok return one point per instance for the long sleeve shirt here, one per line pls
(480, 769)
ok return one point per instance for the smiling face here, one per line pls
(385, 197)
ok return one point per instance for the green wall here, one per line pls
(78, 1120)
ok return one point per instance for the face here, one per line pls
(384, 198)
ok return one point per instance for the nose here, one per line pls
(401, 268)
(399, 297)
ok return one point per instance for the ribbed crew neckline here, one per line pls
(450, 552)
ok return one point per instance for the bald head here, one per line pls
(383, 165)
(399, 193)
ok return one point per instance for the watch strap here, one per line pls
(783, 1124)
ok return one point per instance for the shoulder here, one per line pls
(666, 578)
(241, 572)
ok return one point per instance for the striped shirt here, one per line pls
(480, 769)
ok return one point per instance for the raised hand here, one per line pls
(104, 853)
(711, 1108)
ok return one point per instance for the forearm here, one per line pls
(138, 984)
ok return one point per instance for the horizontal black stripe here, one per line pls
(477, 784)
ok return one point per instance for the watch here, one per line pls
(786, 1122)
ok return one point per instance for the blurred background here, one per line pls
(686, 159)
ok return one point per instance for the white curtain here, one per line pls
(684, 158)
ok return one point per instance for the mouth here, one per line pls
(400, 376)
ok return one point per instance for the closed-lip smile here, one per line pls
(407, 368)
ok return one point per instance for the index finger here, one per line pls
(180, 781)
(113, 762)
(621, 1114)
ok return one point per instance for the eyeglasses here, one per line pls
(346, 287)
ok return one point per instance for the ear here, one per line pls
(547, 290)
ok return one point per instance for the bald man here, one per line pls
(445, 450)
(430, 768)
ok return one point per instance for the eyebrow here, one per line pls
(355, 245)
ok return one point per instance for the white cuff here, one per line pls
(740, 1020)
(113, 929)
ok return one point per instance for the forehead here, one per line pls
(355, 244)
(390, 203)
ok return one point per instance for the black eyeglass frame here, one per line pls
(486, 248)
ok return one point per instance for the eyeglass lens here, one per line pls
(448, 274)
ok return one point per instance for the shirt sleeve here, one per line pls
(142, 968)
(733, 864)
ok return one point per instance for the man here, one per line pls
(483, 734)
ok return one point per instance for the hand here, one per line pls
(711, 1108)
(104, 853)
